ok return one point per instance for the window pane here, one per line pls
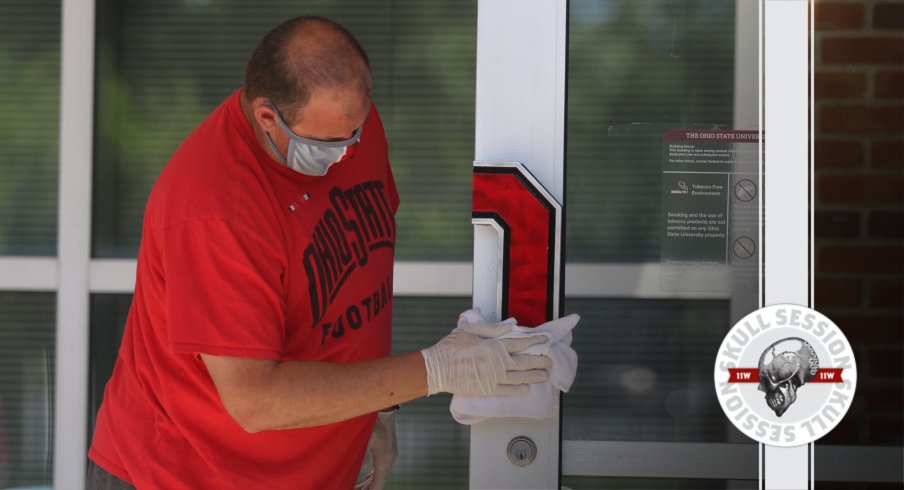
(164, 65)
(647, 65)
(26, 388)
(646, 371)
(433, 448)
(108, 320)
(29, 125)
(639, 71)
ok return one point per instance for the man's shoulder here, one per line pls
(209, 175)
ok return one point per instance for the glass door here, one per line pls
(662, 238)
(663, 248)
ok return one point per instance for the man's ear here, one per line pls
(264, 114)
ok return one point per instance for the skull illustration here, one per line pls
(784, 367)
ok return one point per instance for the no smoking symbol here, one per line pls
(744, 247)
(745, 190)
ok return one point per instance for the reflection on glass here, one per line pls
(164, 65)
(29, 122)
(433, 448)
(26, 386)
(634, 65)
(646, 371)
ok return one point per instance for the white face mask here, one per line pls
(307, 156)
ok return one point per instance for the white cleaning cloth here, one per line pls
(539, 402)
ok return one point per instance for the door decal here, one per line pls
(529, 221)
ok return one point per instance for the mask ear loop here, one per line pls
(270, 142)
(275, 149)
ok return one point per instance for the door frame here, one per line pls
(522, 63)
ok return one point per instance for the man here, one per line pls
(257, 349)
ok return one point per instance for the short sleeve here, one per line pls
(223, 291)
(391, 191)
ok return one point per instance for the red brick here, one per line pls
(838, 292)
(888, 15)
(861, 329)
(890, 399)
(888, 154)
(860, 189)
(886, 429)
(848, 432)
(838, 154)
(886, 363)
(837, 224)
(885, 224)
(838, 85)
(877, 392)
(887, 294)
(838, 16)
(889, 84)
(861, 119)
(880, 259)
(863, 50)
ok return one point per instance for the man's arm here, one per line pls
(262, 394)
(470, 361)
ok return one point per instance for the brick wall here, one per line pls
(859, 215)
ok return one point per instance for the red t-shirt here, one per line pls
(244, 257)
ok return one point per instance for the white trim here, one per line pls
(761, 145)
(761, 50)
(449, 279)
(636, 281)
(519, 117)
(787, 232)
(28, 274)
(520, 96)
(411, 278)
(113, 275)
(786, 180)
(488, 267)
(74, 245)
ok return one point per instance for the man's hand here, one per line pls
(382, 450)
(471, 362)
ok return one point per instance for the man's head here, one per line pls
(314, 74)
(303, 56)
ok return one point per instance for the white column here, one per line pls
(786, 193)
(74, 244)
(520, 117)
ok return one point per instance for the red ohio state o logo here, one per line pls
(530, 222)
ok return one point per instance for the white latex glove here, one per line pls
(471, 362)
(382, 450)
